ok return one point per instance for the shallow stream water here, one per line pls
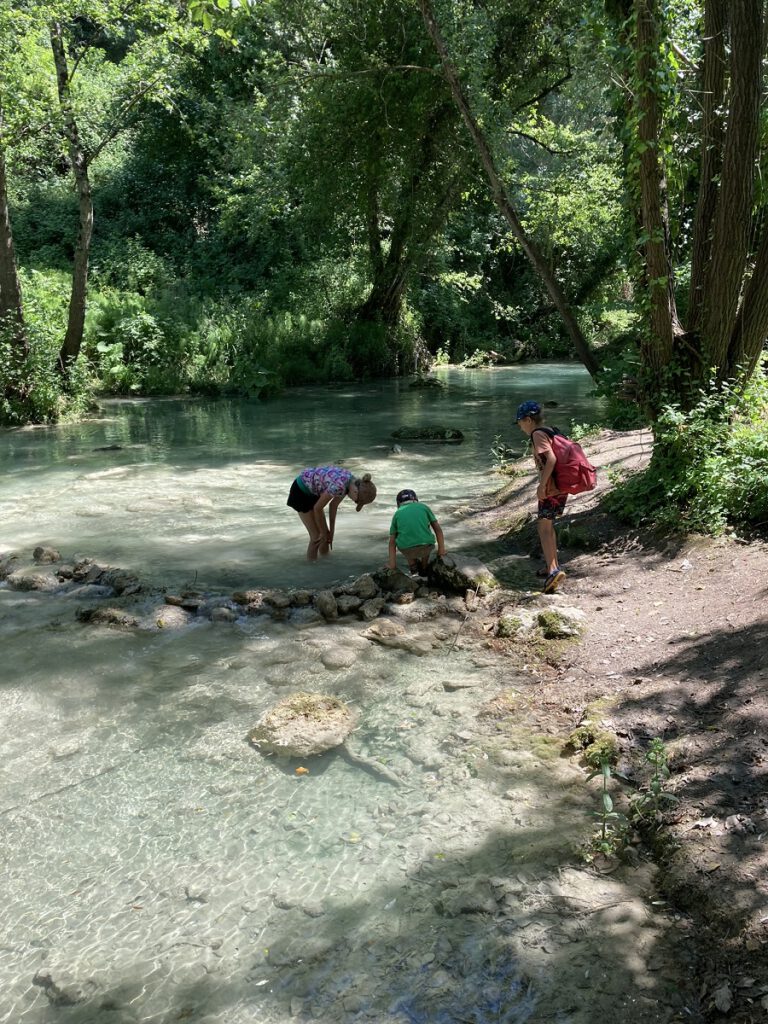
(157, 868)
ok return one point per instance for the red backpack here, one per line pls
(573, 471)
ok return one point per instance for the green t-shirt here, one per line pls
(410, 525)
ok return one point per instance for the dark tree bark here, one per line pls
(501, 199)
(663, 322)
(733, 215)
(73, 337)
(712, 134)
(11, 306)
(418, 216)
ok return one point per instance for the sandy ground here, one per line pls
(676, 647)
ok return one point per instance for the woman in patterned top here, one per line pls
(317, 487)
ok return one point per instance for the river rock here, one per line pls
(223, 615)
(301, 617)
(210, 603)
(469, 896)
(31, 580)
(8, 563)
(462, 683)
(325, 603)
(560, 623)
(248, 596)
(87, 591)
(460, 573)
(335, 658)
(394, 581)
(121, 581)
(348, 603)
(300, 598)
(363, 587)
(44, 555)
(410, 644)
(304, 724)
(107, 617)
(369, 610)
(277, 599)
(64, 991)
(168, 616)
(432, 433)
(383, 628)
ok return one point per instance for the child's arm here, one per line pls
(438, 532)
(392, 551)
(542, 446)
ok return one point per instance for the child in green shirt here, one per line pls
(410, 533)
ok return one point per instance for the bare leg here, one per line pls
(315, 537)
(324, 547)
(548, 539)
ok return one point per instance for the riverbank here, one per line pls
(674, 647)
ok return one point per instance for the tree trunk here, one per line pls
(751, 329)
(500, 197)
(410, 232)
(733, 216)
(11, 307)
(73, 337)
(712, 134)
(663, 322)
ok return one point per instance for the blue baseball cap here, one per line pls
(405, 495)
(529, 408)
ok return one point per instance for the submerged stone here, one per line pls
(303, 724)
(31, 580)
(45, 555)
(337, 658)
(432, 433)
(107, 617)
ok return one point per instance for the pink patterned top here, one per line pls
(332, 479)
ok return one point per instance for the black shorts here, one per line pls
(299, 500)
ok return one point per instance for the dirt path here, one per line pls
(676, 647)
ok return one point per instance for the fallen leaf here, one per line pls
(723, 998)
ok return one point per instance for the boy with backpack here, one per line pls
(563, 469)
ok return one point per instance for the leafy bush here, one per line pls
(709, 468)
(34, 391)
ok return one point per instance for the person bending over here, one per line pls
(319, 486)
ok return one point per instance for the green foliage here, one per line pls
(709, 469)
(619, 384)
(34, 392)
(501, 453)
(650, 804)
(612, 834)
(584, 431)
(479, 358)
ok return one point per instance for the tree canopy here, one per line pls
(231, 198)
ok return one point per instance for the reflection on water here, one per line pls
(198, 488)
(156, 867)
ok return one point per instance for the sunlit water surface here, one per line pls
(155, 861)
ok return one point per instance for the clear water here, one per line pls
(199, 487)
(157, 863)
